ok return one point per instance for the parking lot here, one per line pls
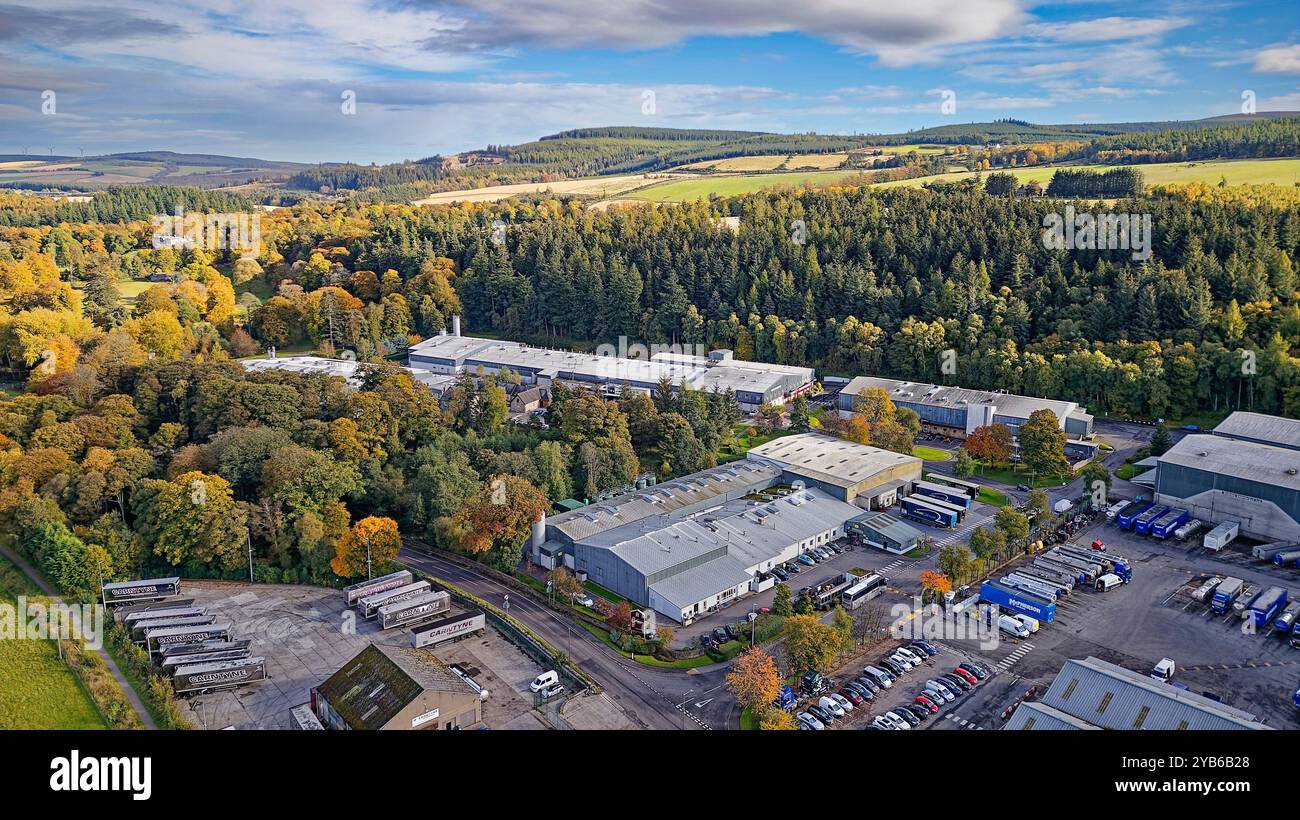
(1137, 624)
(306, 635)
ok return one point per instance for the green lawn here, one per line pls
(688, 189)
(37, 689)
(1014, 475)
(990, 496)
(1284, 171)
(931, 453)
(649, 660)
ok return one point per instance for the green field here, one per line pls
(1235, 171)
(1284, 171)
(931, 453)
(687, 189)
(37, 689)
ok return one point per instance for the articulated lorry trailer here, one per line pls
(1265, 552)
(1285, 622)
(1065, 579)
(1222, 535)
(1265, 608)
(1017, 600)
(1080, 576)
(1202, 593)
(1142, 524)
(1029, 585)
(1108, 562)
(1288, 558)
(1092, 568)
(1063, 586)
(208, 677)
(423, 607)
(1164, 526)
(357, 591)
(1124, 519)
(1226, 594)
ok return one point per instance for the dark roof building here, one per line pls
(396, 687)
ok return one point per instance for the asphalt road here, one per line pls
(651, 697)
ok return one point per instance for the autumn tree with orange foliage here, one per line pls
(373, 537)
(991, 444)
(935, 583)
(498, 519)
(753, 679)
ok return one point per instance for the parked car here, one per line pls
(1024, 488)
(852, 696)
(552, 690)
(720, 635)
(925, 647)
(730, 632)
(906, 715)
(831, 706)
(966, 675)
(882, 678)
(926, 702)
(916, 656)
(960, 682)
(844, 703)
(807, 560)
(707, 641)
(807, 721)
(821, 714)
(583, 599)
(792, 567)
(893, 667)
(942, 689)
(781, 574)
(867, 683)
(975, 669)
(882, 722)
(919, 712)
(898, 721)
(904, 661)
(860, 690)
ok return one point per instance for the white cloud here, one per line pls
(1104, 29)
(1278, 60)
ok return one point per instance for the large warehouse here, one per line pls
(754, 383)
(688, 546)
(867, 476)
(1094, 694)
(956, 411)
(1247, 470)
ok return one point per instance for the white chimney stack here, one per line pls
(455, 325)
(539, 532)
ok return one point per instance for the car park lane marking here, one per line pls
(1010, 660)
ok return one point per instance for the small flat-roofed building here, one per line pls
(396, 687)
(957, 411)
(1102, 695)
(884, 531)
(856, 473)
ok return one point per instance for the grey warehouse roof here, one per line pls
(1007, 404)
(1261, 428)
(828, 459)
(1264, 463)
(666, 498)
(698, 583)
(890, 527)
(1113, 697)
(1031, 715)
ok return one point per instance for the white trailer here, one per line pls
(1222, 535)
(354, 593)
(1265, 552)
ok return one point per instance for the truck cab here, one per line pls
(1164, 670)
(785, 699)
(813, 683)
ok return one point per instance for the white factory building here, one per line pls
(754, 383)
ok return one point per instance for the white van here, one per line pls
(544, 680)
(1108, 582)
(910, 654)
(829, 704)
(1014, 626)
(880, 676)
(1032, 623)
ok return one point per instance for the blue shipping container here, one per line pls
(1018, 601)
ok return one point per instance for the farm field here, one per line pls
(596, 186)
(701, 188)
(1285, 171)
(37, 689)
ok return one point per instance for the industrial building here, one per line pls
(870, 477)
(687, 547)
(345, 369)
(1247, 470)
(884, 532)
(957, 411)
(754, 383)
(1094, 694)
(396, 687)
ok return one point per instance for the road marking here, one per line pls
(1016, 655)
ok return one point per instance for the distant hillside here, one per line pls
(96, 173)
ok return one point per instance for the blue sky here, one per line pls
(267, 78)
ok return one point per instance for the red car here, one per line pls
(853, 697)
(966, 676)
(925, 703)
(1099, 545)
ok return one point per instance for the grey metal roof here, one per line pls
(1030, 715)
(669, 498)
(1259, 427)
(1265, 463)
(890, 527)
(699, 372)
(757, 532)
(1113, 697)
(1006, 404)
(698, 583)
(828, 459)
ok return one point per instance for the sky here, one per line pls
(366, 81)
